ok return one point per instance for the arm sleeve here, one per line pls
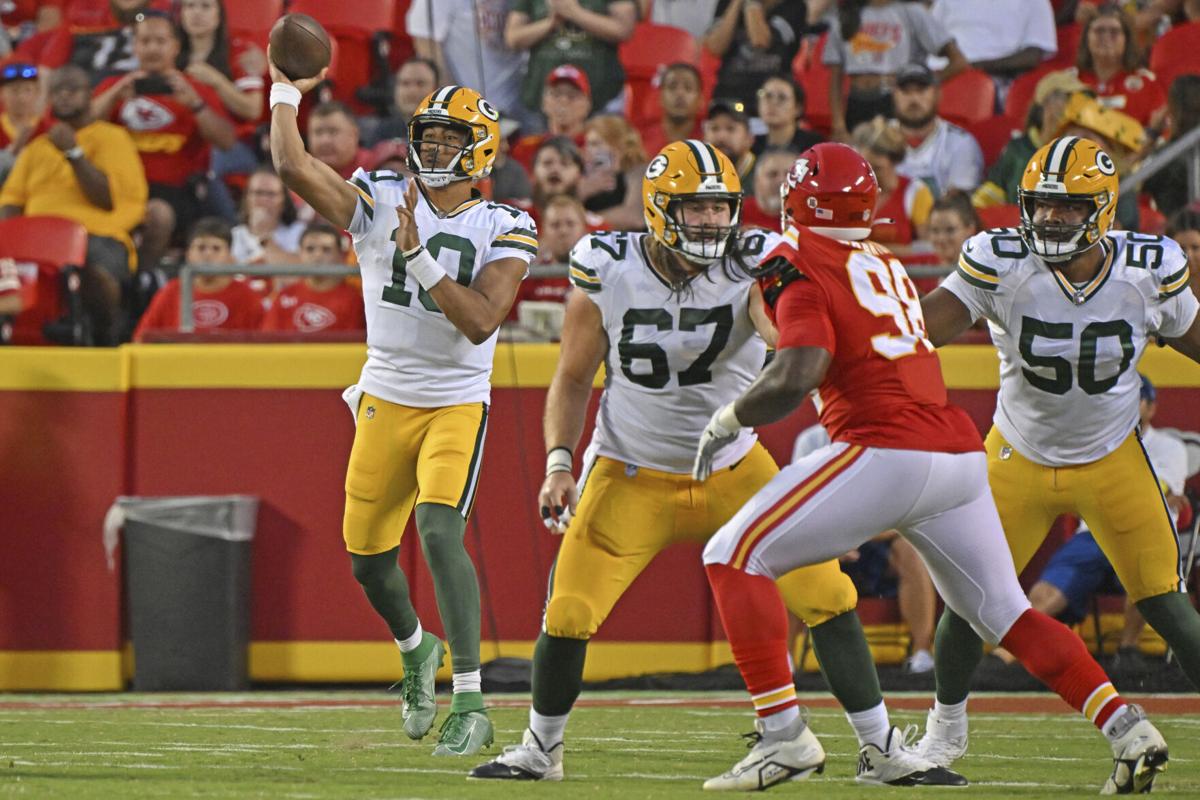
(802, 317)
(973, 282)
(364, 209)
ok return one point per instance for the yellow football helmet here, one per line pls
(1075, 170)
(463, 108)
(685, 170)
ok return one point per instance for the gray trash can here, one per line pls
(187, 580)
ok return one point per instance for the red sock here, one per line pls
(1059, 659)
(755, 621)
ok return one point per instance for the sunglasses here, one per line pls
(18, 72)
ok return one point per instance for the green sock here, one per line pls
(1173, 617)
(387, 590)
(454, 582)
(957, 651)
(421, 652)
(466, 701)
(846, 662)
(557, 673)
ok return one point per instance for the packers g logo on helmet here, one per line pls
(465, 109)
(687, 170)
(1068, 169)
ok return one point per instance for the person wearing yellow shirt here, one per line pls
(89, 171)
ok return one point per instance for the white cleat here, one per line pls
(1139, 754)
(896, 765)
(527, 761)
(943, 742)
(788, 755)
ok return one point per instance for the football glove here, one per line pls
(721, 430)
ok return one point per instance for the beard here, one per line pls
(915, 121)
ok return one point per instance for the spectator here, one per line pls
(728, 128)
(220, 302)
(1025, 38)
(465, 38)
(871, 41)
(952, 221)
(754, 39)
(1184, 228)
(693, 16)
(269, 232)
(1169, 188)
(612, 182)
(22, 101)
(1041, 121)
(11, 302)
(318, 303)
(564, 222)
(88, 171)
(940, 153)
(97, 37)
(557, 169)
(762, 208)
(566, 103)
(1109, 61)
(510, 181)
(1119, 134)
(680, 95)
(415, 80)
(333, 138)
(580, 32)
(903, 200)
(781, 106)
(174, 119)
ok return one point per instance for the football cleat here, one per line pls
(943, 742)
(792, 754)
(418, 701)
(896, 765)
(527, 761)
(464, 733)
(1139, 754)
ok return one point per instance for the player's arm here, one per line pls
(782, 386)
(946, 317)
(580, 354)
(312, 179)
(758, 316)
(1189, 343)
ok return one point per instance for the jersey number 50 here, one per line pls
(884, 289)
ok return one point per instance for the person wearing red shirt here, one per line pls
(566, 103)
(1108, 61)
(318, 303)
(902, 457)
(97, 35)
(564, 221)
(680, 96)
(761, 209)
(220, 302)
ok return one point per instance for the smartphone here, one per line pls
(152, 84)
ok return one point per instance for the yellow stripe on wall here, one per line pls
(60, 670)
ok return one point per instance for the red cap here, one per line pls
(571, 74)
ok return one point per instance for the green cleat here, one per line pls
(419, 705)
(464, 733)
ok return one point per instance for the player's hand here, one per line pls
(305, 85)
(720, 431)
(406, 233)
(558, 499)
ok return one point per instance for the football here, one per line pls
(299, 46)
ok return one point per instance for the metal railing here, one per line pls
(1186, 145)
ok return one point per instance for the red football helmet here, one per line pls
(833, 189)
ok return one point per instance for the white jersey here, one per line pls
(415, 356)
(1068, 354)
(672, 360)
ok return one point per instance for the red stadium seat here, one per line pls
(1177, 52)
(364, 16)
(815, 81)
(650, 49)
(1068, 46)
(969, 96)
(1005, 216)
(253, 21)
(356, 28)
(993, 134)
(1020, 94)
(59, 248)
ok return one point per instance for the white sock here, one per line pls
(548, 730)
(410, 644)
(467, 682)
(952, 713)
(1111, 721)
(781, 719)
(872, 726)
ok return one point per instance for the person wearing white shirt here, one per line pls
(940, 153)
(1026, 38)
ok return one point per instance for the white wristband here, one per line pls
(728, 420)
(286, 94)
(558, 460)
(422, 267)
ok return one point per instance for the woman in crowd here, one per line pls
(1109, 61)
(612, 180)
(781, 107)
(269, 232)
(903, 202)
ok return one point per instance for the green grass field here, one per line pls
(626, 745)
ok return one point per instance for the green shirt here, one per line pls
(569, 45)
(1008, 169)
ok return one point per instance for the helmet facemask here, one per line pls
(460, 164)
(1057, 242)
(701, 244)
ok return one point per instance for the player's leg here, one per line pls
(621, 523)
(810, 513)
(448, 466)
(381, 485)
(979, 584)
(1120, 498)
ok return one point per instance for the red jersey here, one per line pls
(1138, 94)
(301, 308)
(525, 148)
(234, 308)
(884, 386)
(754, 217)
(165, 132)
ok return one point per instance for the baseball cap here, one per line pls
(17, 71)
(732, 108)
(1063, 80)
(572, 75)
(1149, 393)
(915, 73)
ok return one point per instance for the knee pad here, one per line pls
(570, 617)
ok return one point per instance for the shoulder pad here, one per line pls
(515, 229)
(596, 255)
(1162, 256)
(988, 255)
